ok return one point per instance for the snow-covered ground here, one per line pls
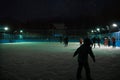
(53, 61)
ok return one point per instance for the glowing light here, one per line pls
(92, 31)
(6, 28)
(98, 29)
(21, 31)
(114, 25)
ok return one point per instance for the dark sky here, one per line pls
(25, 10)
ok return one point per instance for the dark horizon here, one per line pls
(25, 10)
(79, 12)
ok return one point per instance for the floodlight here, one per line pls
(98, 29)
(21, 31)
(114, 25)
(5, 28)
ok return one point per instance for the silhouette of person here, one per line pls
(109, 42)
(98, 41)
(81, 41)
(94, 41)
(66, 41)
(106, 42)
(82, 53)
(113, 41)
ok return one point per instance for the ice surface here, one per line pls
(53, 61)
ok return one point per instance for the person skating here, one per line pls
(82, 53)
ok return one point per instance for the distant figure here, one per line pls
(82, 53)
(108, 42)
(66, 41)
(81, 41)
(113, 41)
(98, 41)
(94, 41)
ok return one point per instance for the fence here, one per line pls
(51, 36)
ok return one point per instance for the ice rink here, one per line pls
(53, 61)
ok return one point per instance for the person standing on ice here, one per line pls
(66, 41)
(98, 41)
(94, 41)
(82, 53)
(113, 41)
(81, 41)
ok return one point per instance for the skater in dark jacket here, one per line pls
(113, 41)
(82, 53)
(94, 41)
(66, 41)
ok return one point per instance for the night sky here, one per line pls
(26, 10)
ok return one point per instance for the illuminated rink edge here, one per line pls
(70, 44)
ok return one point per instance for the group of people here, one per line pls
(107, 41)
(94, 40)
(83, 51)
